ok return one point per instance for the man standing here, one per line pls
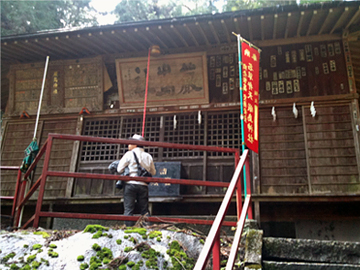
(136, 190)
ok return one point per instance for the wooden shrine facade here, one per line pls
(307, 151)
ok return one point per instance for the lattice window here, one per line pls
(187, 131)
(92, 151)
(224, 131)
(133, 125)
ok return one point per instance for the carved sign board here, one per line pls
(70, 85)
(173, 80)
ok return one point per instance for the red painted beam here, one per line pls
(132, 218)
(31, 192)
(143, 179)
(144, 143)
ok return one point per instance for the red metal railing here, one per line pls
(18, 183)
(213, 240)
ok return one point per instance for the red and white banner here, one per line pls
(250, 84)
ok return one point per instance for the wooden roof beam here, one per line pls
(251, 37)
(311, 22)
(236, 26)
(214, 32)
(179, 35)
(96, 43)
(122, 41)
(340, 20)
(68, 50)
(262, 17)
(142, 46)
(326, 21)
(78, 43)
(203, 33)
(223, 23)
(288, 21)
(191, 34)
(275, 25)
(113, 43)
(168, 36)
(28, 46)
(5, 50)
(48, 48)
(356, 15)
(300, 23)
(150, 43)
(163, 44)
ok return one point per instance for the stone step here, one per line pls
(308, 250)
(270, 265)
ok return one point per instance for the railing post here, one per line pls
(43, 182)
(18, 209)
(248, 187)
(216, 252)
(16, 195)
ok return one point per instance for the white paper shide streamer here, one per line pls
(175, 122)
(273, 113)
(312, 109)
(295, 111)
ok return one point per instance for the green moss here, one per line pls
(52, 246)
(106, 261)
(40, 250)
(179, 259)
(118, 241)
(168, 237)
(107, 253)
(97, 235)
(53, 254)
(46, 262)
(202, 241)
(158, 239)
(130, 264)
(44, 234)
(26, 267)
(110, 235)
(36, 246)
(128, 249)
(94, 228)
(9, 256)
(26, 246)
(141, 231)
(80, 258)
(126, 236)
(30, 258)
(14, 267)
(154, 234)
(122, 267)
(94, 266)
(84, 266)
(94, 259)
(96, 247)
(133, 240)
(35, 264)
(144, 237)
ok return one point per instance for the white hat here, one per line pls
(137, 137)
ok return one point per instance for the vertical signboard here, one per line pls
(250, 84)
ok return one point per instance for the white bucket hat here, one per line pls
(137, 137)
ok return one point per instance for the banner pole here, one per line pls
(241, 109)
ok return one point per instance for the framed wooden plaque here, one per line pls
(173, 80)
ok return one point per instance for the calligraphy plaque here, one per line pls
(173, 80)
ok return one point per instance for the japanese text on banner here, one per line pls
(250, 79)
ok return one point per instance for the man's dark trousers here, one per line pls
(133, 193)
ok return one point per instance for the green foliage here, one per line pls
(84, 266)
(26, 267)
(122, 267)
(130, 264)
(20, 17)
(94, 228)
(14, 267)
(141, 231)
(35, 264)
(154, 234)
(7, 257)
(128, 249)
(96, 247)
(30, 258)
(52, 246)
(36, 246)
(53, 254)
(26, 246)
(80, 258)
(118, 241)
(46, 262)
(44, 234)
